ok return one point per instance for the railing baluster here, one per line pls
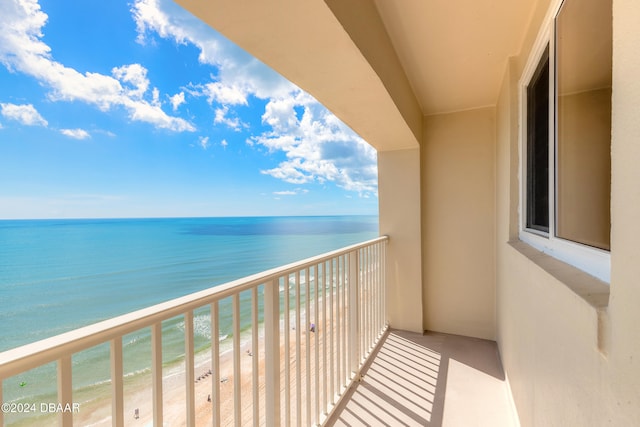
(364, 296)
(374, 299)
(353, 311)
(65, 419)
(364, 303)
(307, 352)
(256, 355)
(298, 354)
(237, 380)
(215, 364)
(272, 352)
(316, 333)
(383, 306)
(377, 286)
(369, 275)
(339, 321)
(287, 352)
(117, 383)
(381, 285)
(345, 319)
(325, 329)
(332, 333)
(156, 372)
(362, 289)
(367, 307)
(189, 360)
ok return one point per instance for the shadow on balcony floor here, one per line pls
(429, 379)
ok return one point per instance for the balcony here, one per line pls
(328, 351)
(429, 379)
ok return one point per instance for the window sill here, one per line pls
(592, 290)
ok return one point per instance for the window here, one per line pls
(583, 67)
(538, 147)
(566, 140)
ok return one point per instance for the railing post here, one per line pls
(287, 351)
(272, 352)
(65, 418)
(189, 367)
(237, 379)
(215, 364)
(255, 386)
(354, 313)
(117, 383)
(307, 347)
(156, 372)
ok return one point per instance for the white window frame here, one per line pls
(594, 261)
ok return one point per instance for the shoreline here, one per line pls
(138, 390)
(174, 392)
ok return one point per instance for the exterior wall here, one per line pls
(573, 360)
(399, 201)
(624, 355)
(458, 223)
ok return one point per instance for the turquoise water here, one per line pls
(58, 275)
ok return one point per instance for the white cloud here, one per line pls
(203, 141)
(155, 97)
(223, 94)
(239, 73)
(318, 146)
(291, 192)
(224, 143)
(177, 100)
(23, 50)
(221, 117)
(24, 113)
(136, 76)
(75, 133)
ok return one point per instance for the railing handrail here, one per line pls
(47, 350)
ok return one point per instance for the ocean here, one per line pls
(58, 275)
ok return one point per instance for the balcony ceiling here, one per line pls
(380, 65)
(454, 52)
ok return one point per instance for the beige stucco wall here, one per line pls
(573, 360)
(624, 355)
(458, 223)
(399, 195)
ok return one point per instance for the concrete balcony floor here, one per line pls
(429, 379)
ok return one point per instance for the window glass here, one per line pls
(538, 147)
(583, 160)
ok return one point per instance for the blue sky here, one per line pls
(133, 108)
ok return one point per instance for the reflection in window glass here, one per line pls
(583, 64)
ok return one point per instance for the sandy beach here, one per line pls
(138, 394)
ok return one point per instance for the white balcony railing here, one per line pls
(313, 323)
